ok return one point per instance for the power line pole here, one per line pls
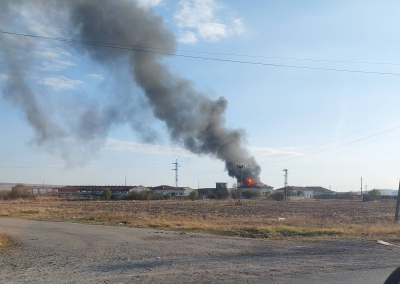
(239, 200)
(286, 180)
(361, 187)
(176, 173)
(396, 216)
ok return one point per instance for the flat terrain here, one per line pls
(58, 252)
(255, 218)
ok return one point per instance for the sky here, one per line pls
(328, 128)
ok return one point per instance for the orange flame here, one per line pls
(249, 181)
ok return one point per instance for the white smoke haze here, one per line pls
(194, 121)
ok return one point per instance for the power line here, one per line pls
(338, 146)
(337, 139)
(213, 53)
(122, 47)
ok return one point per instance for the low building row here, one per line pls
(96, 191)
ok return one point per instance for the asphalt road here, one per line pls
(55, 252)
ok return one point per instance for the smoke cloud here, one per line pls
(194, 121)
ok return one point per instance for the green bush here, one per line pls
(250, 193)
(107, 194)
(193, 195)
(374, 193)
(277, 196)
(19, 191)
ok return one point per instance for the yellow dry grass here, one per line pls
(5, 242)
(256, 219)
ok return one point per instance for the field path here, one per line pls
(58, 252)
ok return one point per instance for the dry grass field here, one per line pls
(255, 218)
(6, 242)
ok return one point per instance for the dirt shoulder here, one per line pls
(58, 252)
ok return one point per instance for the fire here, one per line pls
(249, 181)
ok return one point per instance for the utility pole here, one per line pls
(396, 216)
(286, 180)
(176, 173)
(361, 187)
(198, 185)
(239, 200)
(125, 180)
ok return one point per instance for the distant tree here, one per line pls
(234, 193)
(149, 195)
(277, 196)
(107, 194)
(375, 193)
(300, 193)
(290, 193)
(14, 193)
(133, 195)
(250, 193)
(19, 191)
(144, 195)
(193, 195)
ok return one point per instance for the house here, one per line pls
(171, 190)
(306, 191)
(262, 188)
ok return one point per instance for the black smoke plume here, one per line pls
(194, 120)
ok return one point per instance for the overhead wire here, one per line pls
(210, 52)
(337, 139)
(338, 146)
(132, 48)
(136, 48)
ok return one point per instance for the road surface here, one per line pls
(57, 252)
